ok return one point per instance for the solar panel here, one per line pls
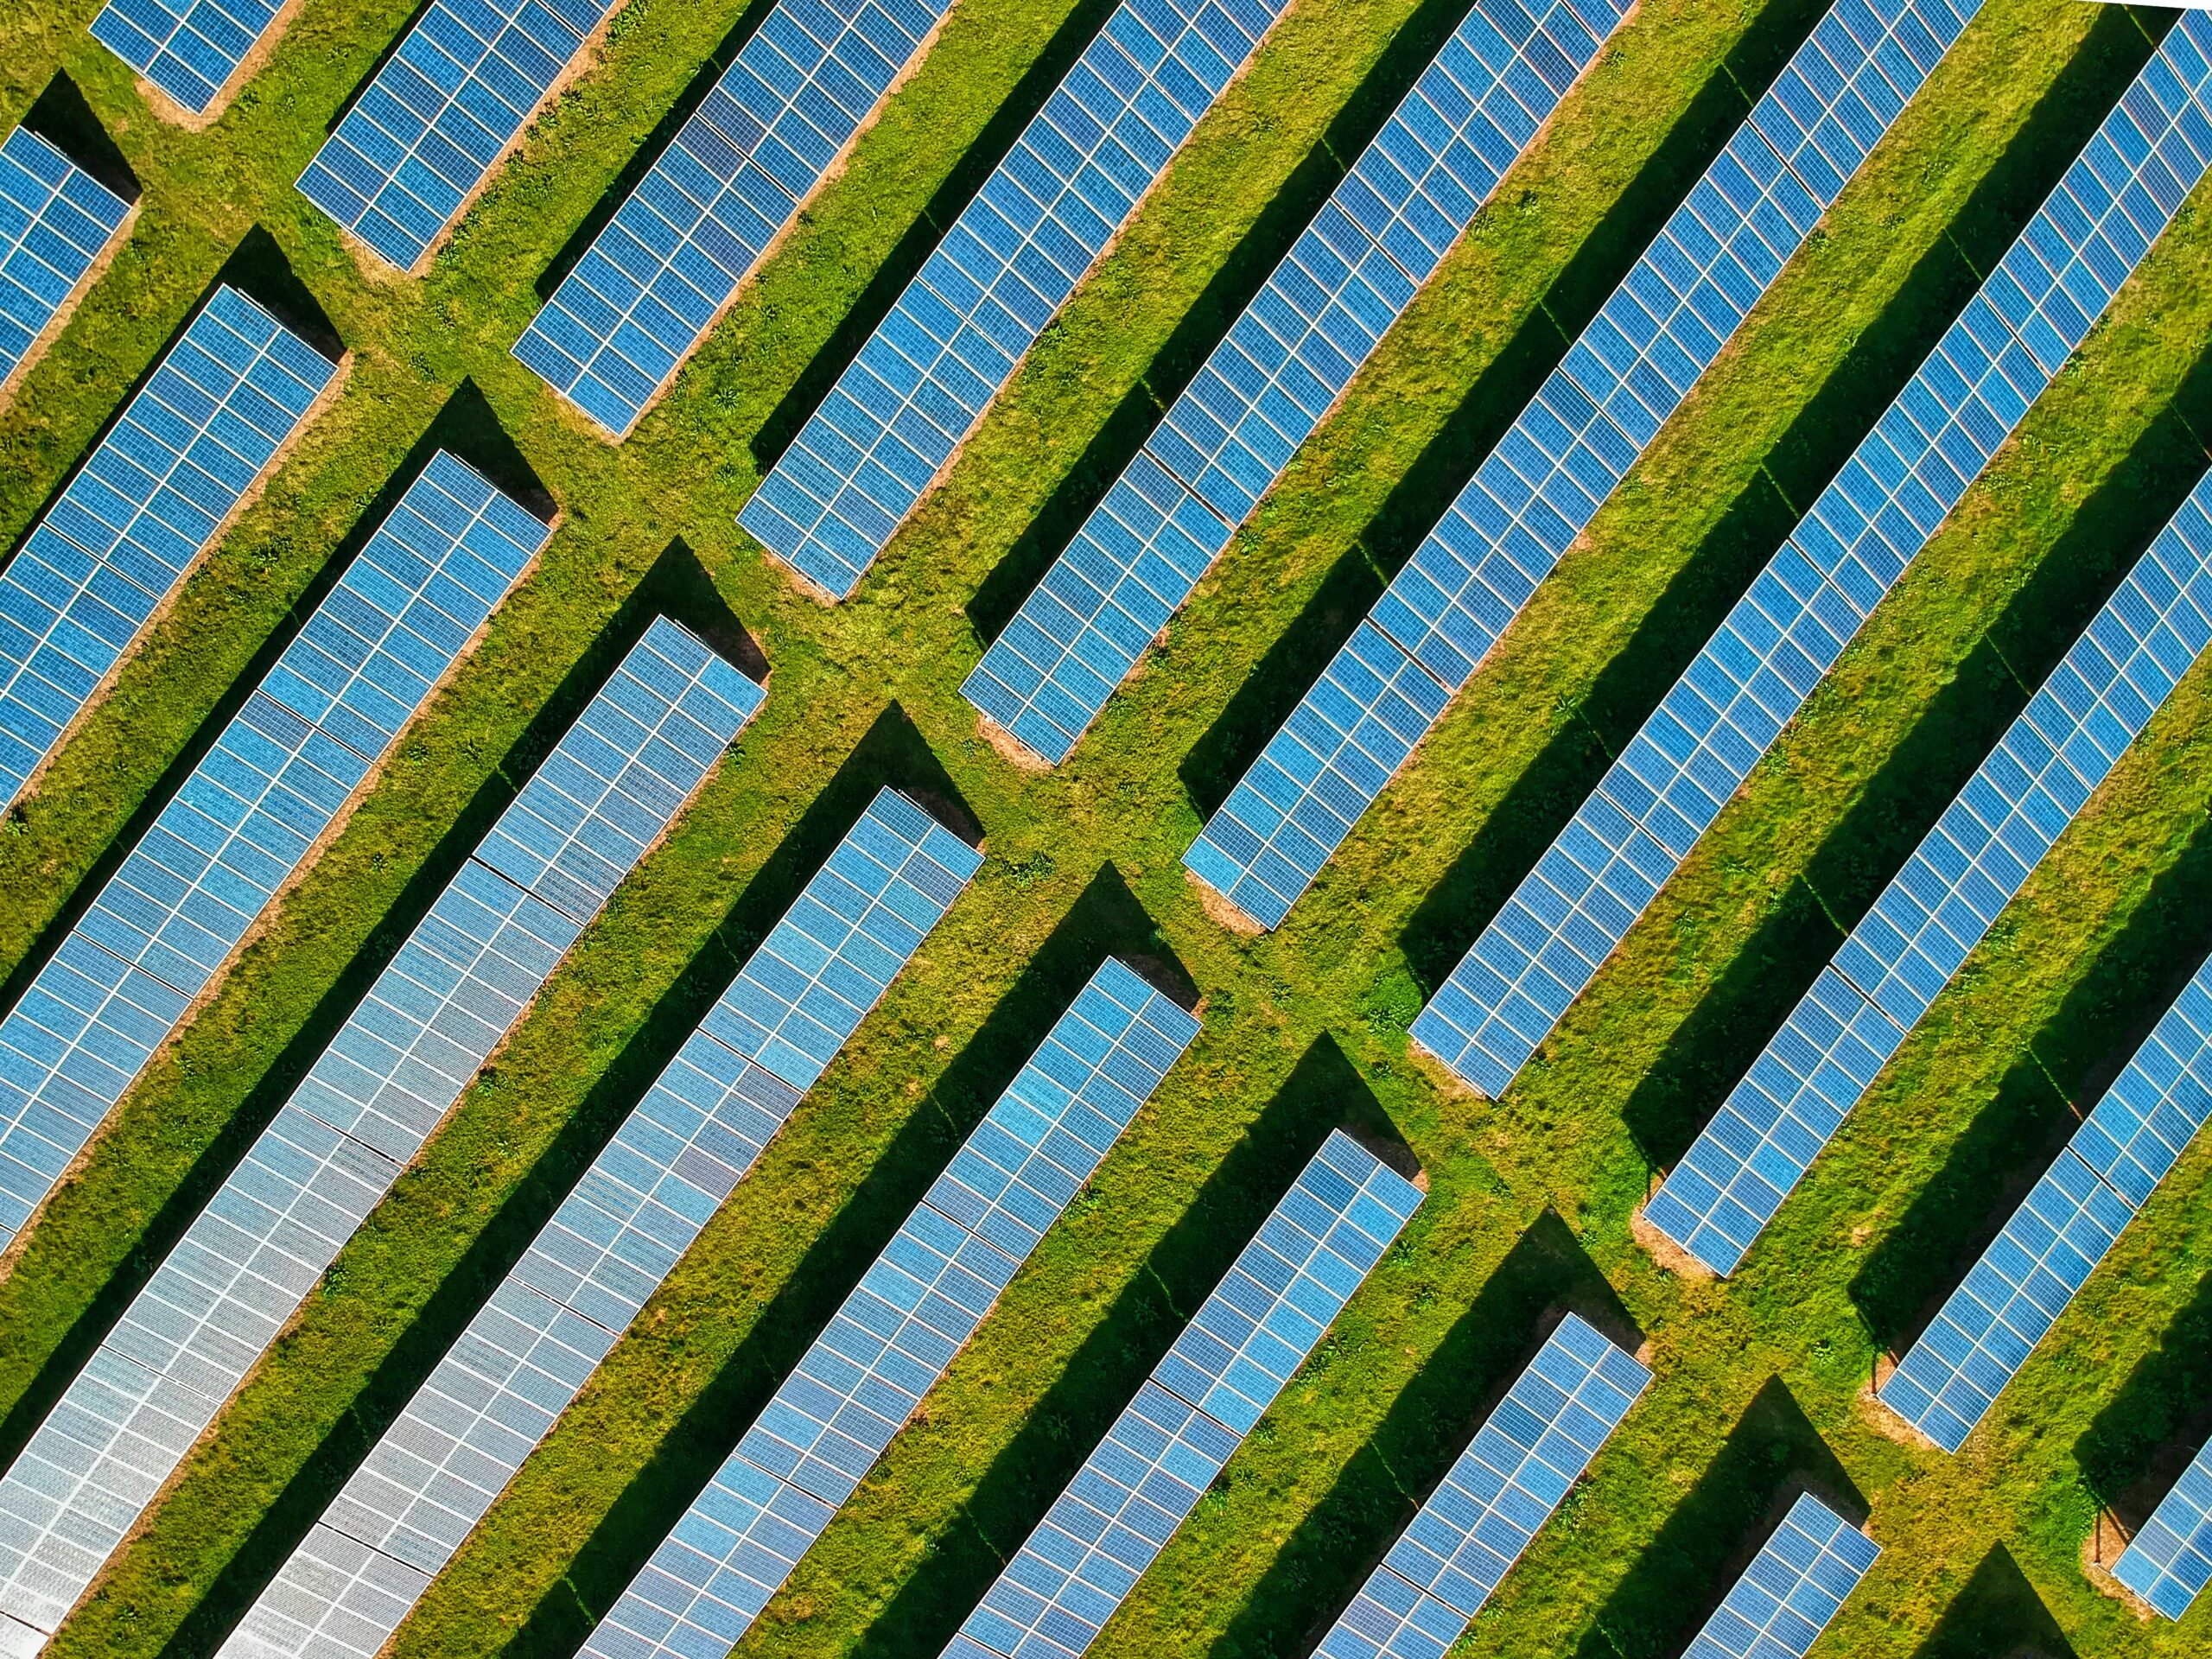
(1932, 916)
(733, 179)
(2168, 1562)
(1542, 485)
(1043, 218)
(1189, 1417)
(1283, 364)
(1795, 1586)
(152, 498)
(1524, 1459)
(457, 986)
(2009, 1299)
(57, 221)
(442, 112)
(898, 1332)
(1784, 635)
(192, 50)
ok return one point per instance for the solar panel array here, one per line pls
(2169, 1561)
(1283, 365)
(1013, 256)
(192, 49)
(56, 220)
(441, 113)
(1521, 1462)
(387, 1079)
(1244, 1344)
(898, 1332)
(1795, 1586)
(1934, 911)
(149, 501)
(1750, 679)
(1544, 482)
(735, 178)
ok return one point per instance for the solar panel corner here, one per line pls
(193, 57)
(71, 227)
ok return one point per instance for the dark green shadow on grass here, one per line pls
(1802, 463)
(1997, 1616)
(2156, 1421)
(1337, 1544)
(1294, 661)
(1773, 1454)
(60, 116)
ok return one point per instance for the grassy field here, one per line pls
(1760, 1381)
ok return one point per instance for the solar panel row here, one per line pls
(192, 50)
(1784, 635)
(1932, 916)
(57, 221)
(1523, 1460)
(455, 988)
(149, 500)
(1793, 1587)
(653, 283)
(1243, 1345)
(441, 111)
(898, 1332)
(1013, 256)
(1543, 483)
(163, 926)
(2170, 1561)
(532, 1346)
(1283, 365)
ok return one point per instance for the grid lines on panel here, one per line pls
(1793, 1587)
(2168, 1562)
(1523, 1460)
(458, 984)
(1283, 365)
(189, 48)
(441, 113)
(56, 220)
(732, 179)
(1784, 635)
(116, 544)
(898, 1332)
(1222, 1373)
(923, 379)
(1543, 483)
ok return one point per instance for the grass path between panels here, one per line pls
(1529, 1200)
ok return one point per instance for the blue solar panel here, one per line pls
(2169, 1561)
(56, 223)
(898, 1332)
(1795, 1586)
(192, 50)
(1011, 259)
(653, 283)
(1670, 783)
(150, 499)
(1543, 483)
(1522, 1462)
(1187, 1419)
(1283, 365)
(442, 112)
(458, 985)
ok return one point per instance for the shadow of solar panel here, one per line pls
(191, 50)
(1283, 365)
(442, 112)
(2168, 1562)
(1259, 1326)
(898, 1332)
(1523, 1460)
(57, 221)
(733, 179)
(147, 502)
(922, 381)
(1920, 930)
(1543, 483)
(457, 986)
(1793, 1589)
(1670, 783)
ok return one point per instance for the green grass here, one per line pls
(1759, 1380)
